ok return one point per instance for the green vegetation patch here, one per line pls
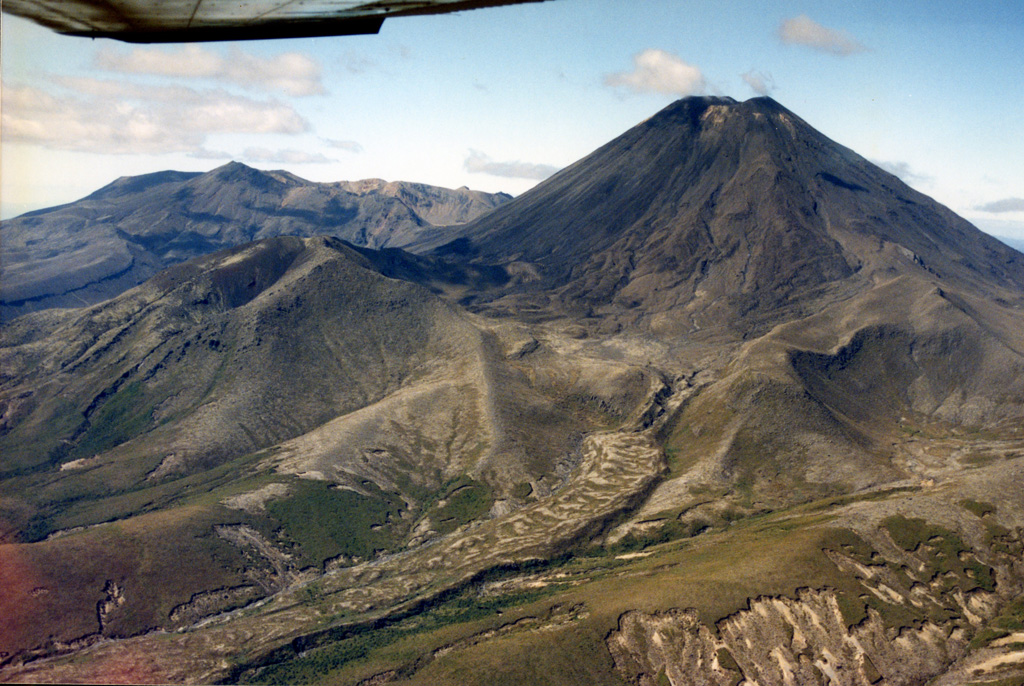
(522, 490)
(123, 416)
(80, 498)
(39, 441)
(726, 660)
(464, 500)
(325, 522)
(314, 665)
(910, 533)
(944, 552)
(596, 410)
(853, 599)
(1008, 681)
(1009, 620)
(1002, 539)
(979, 509)
(870, 496)
(670, 529)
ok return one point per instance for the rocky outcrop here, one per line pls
(926, 617)
(779, 641)
(113, 600)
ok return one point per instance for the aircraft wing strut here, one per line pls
(181, 21)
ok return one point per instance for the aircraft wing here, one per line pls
(179, 21)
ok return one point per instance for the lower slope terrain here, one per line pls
(301, 462)
(182, 438)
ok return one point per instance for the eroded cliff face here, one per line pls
(779, 641)
(913, 621)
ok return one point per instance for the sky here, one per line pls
(498, 99)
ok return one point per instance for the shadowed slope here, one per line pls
(252, 346)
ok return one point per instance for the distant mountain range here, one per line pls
(723, 402)
(95, 248)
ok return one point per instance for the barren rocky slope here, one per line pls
(95, 248)
(729, 405)
(718, 214)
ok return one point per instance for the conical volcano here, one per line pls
(715, 211)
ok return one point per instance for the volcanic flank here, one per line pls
(720, 402)
(714, 213)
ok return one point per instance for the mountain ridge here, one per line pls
(120, 235)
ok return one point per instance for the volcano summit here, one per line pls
(714, 212)
(721, 402)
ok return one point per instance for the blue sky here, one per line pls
(496, 99)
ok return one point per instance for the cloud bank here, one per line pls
(102, 116)
(1004, 205)
(903, 171)
(803, 30)
(347, 146)
(205, 154)
(479, 163)
(284, 156)
(657, 71)
(290, 73)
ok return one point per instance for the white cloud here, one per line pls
(291, 73)
(123, 118)
(1004, 205)
(205, 154)
(348, 146)
(284, 156)
(657, 71)
(803, 30)
(903, 171)
(759, 82)
(479, 163)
